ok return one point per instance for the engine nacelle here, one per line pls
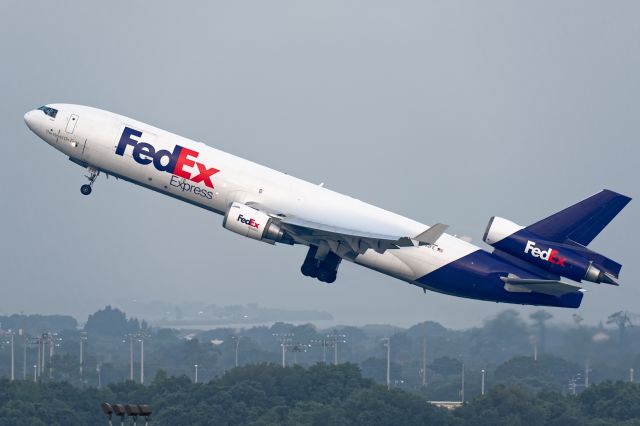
(498, 229)
(255, 224)
(562, 258)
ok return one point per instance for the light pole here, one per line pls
(387, 343)
(39, 341)
(462, 385)
(99, 375)
(237, 340)
(323, 343)
(13, 358)
(534, 342)
(424, 361)
(43, 342)
(482, 388)
(196, 378)
(52, 344)
(131, 336)
(285, 339)
(35, 373)
(24, 356)
(587, 370)
(83, 337)
(284, 349)
(142, 359)
(631, 378)
(334, 339)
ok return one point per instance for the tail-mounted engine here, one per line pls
(567, 259)
(252, 223)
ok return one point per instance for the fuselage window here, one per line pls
(51, 112)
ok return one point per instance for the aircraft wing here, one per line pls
(341, 239)
(344, 241)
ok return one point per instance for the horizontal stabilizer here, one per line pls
(431, 235)
(550, 287)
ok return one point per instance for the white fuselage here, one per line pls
(91, 137)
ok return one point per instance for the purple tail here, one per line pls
(583, 221)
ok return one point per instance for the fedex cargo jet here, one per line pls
(525, 267)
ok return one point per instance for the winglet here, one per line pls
(431, 235)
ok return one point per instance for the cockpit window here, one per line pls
(51, 112)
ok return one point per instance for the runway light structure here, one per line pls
(424, 361)
(99, 373)
(285, 339)
(131, 338)
(10, 335)
(296, 348)
(25, 344)
(38, 341)
(83, 338)
(142, 337)
(31, 342)
(334, 340)
(324, 344)
(51, 339)
(387, 343)
(236, 339)
(462, 384)
(13, 356)
(54, 342)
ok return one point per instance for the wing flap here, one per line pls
(341, 240)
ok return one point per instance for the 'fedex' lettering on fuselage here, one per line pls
(180, 159)
(549, 255)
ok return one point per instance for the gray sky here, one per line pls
(442, 111)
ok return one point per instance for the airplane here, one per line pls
(526, 265)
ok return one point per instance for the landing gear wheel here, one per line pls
(327, 275)
(309, 270)
(310, 266)
(85, 189)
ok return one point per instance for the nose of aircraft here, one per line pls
(29, 119)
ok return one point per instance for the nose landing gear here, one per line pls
(85, 189)
(92, 176)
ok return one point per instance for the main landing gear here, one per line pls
(92, 176)
(324, 268)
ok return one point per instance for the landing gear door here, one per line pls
(71, 124)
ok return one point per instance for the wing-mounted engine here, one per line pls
(567, 258)
(255, 224)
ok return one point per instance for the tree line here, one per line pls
(267, 394)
